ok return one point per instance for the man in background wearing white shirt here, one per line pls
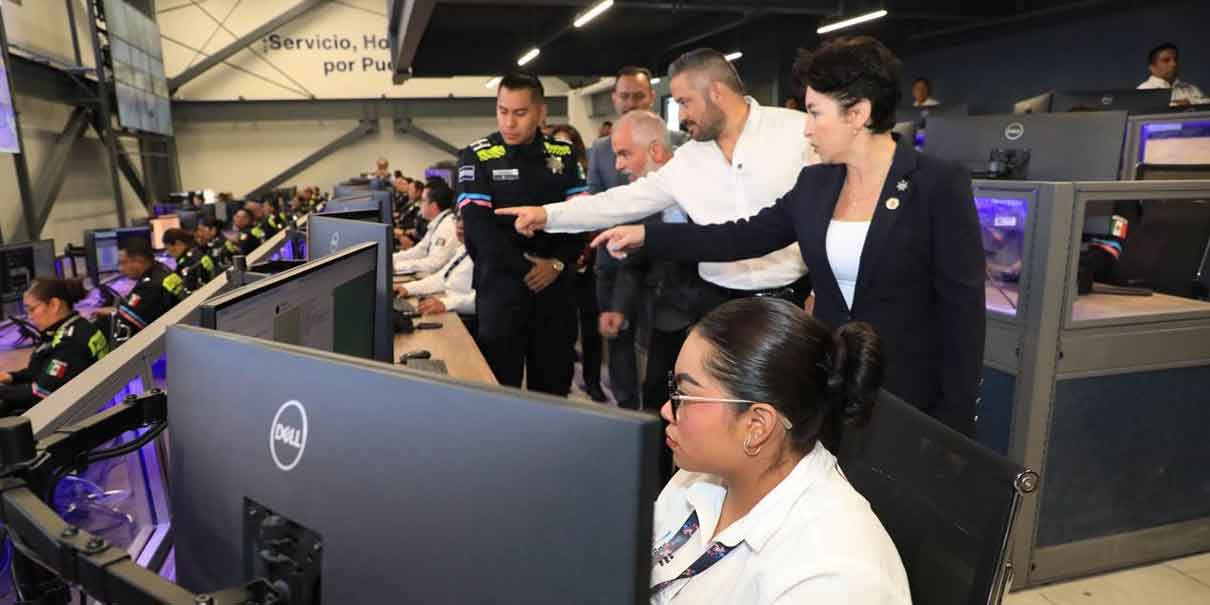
(449, 287)
(922, 93)
(742, 158)
(439, 242)
(1163, 61)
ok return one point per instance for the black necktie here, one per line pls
(453, 266)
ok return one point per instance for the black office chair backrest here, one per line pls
(947, 502)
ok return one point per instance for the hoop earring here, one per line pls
(748, 447)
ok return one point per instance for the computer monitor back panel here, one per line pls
(1085, 146)
(327, 235)
(1132, 101)
(21, 263)
(424, 490)
(328, 304)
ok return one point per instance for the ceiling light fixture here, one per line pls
(529, 56)
(492, 83)
(733, 56)
(831, 27)
(592, 13)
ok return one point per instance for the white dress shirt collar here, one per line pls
(756, 527)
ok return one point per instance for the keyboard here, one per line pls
(405, 306)
(435, 366)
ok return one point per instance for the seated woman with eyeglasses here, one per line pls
(760, 512)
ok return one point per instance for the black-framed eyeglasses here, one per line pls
(675, 397)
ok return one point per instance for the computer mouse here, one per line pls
(421, 354)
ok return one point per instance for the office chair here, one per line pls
(947, 502)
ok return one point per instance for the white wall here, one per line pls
(236, 157)
(42, 27)
(323, 43)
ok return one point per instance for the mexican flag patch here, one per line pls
(56, 368)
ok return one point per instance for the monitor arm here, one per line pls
(49, 554)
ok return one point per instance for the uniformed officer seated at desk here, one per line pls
(450, 287)
(156, 290)
(265, 219)
(70, 344)
(437, 246)
(193, 264)
(525, 293)
(209, 235)
(247, 236)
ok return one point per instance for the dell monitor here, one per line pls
(188, 219)
(101, 248)
(380, 205)
(21, 263)
(1083, 146)
(921, 115)
(328, 235)
(1132, 101)
(328, 304)
(417, 488)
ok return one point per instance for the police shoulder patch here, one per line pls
(173, 283)
(98, 345)
(490, 153)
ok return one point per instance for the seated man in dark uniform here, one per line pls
(192, 263)
(156, 289)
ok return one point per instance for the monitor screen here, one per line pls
(21, 263)
(101, 248)
(136, 58)
(159, 226)
(327, 304)
(328, 235)
(189, 219)
(8, 118)
(416, 485)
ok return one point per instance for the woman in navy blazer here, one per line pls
(891, 236)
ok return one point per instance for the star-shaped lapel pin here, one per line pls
(902, 185)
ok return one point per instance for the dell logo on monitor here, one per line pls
(1107, 100)
(1014, 131)
(334, 243)
(288, 435)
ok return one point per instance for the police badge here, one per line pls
(555, 163)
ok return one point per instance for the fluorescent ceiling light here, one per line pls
(733, 56)
(529, 56)
(492, 83)
(831, 27)
(592, 13)
(656, 80)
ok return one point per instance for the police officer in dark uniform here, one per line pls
(195, 267)
(247, 237)
(69, 345)
(209, 235)
(265, 218)
(156, 289)
(525, 287)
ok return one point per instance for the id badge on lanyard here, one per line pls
(662, 555)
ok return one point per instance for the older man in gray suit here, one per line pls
(632, 90)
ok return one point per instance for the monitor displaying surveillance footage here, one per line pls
(8, 119)
(138, 69)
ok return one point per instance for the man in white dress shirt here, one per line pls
(922, 93)
(449, 287)
(741, 159)
(439, 242)
(1163, 62)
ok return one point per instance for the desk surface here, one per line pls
(450, 343)
(1096, 309)
(15, 359)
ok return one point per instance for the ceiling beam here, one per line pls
(408, 21)
(363, 129)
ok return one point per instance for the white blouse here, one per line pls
(845, 241)
(811, 540)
